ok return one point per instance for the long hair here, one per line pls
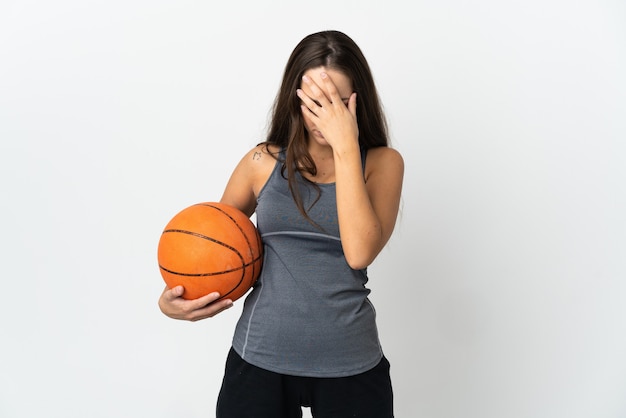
(333, 50)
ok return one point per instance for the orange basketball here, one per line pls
(210, 247)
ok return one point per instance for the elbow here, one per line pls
(358, 266)
(360, 260)
(360, 253)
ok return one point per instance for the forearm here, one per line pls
(359, 226)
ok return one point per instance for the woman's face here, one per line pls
(344, 87)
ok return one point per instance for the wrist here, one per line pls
(347, 149)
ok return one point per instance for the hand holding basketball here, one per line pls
(173, 305)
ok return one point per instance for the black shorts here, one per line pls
(251, 392)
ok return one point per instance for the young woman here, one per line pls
(325, 186)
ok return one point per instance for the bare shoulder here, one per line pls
(264, 153)
(257, 158)
(384, 160)
(248, 178)
(259, 163)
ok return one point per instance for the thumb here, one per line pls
(177, 291)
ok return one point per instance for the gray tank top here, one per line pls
(309, 312)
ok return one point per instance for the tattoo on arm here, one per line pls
(256, 156)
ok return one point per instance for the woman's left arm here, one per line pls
(367, 203)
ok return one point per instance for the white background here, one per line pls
(501, 294)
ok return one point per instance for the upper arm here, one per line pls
(384, 173)
(247, 178)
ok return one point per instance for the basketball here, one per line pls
(210, 247)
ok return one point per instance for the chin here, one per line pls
(319, 139)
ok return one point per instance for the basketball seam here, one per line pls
(213, 273)
(195, 234)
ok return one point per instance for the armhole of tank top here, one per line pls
(275, 170)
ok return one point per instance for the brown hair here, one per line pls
(333, 50)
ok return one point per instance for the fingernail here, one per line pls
(305, 78)
(323, 75)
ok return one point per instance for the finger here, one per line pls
(333, 93)
(212, 310)
(308, 103)
(173, 293)
(308, 114)
(204, 301)
(177, 291)
(314, 91)
(221, 306)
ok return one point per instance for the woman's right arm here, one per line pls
(240, 192)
